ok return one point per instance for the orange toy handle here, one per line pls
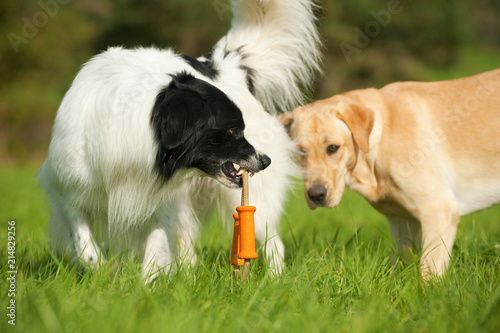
(247, 232)
(235, 261)
(243, 248)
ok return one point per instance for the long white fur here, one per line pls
(281, 42)
(99, 172)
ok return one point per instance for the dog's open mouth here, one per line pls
(233, 172)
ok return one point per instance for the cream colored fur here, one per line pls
(423, 154)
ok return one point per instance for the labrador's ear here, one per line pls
(287, 120)
(360, 121)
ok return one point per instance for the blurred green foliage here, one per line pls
(46, 41)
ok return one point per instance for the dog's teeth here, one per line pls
(236, 166)
(240, 172)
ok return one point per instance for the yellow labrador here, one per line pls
(421, 153)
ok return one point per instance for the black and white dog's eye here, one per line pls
(233, 131)
(332, 149)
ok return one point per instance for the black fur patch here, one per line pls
(197, 126)
(250, 79)
(203, 67)
(249, 71)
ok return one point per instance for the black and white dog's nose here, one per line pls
(317, 194)
(265, 161)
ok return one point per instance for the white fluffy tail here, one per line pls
(279, 43)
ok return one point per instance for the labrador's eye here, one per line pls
(232, 131)
(332, 149)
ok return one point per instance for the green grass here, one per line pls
(339, 277)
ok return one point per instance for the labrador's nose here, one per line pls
(317, 194)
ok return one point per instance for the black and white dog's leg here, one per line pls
(161, 246)
(268, 195)
(188, 228)
(197, 198)
(71, 234)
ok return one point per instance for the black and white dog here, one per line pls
(140, 130)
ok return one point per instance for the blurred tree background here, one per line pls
(367, 43)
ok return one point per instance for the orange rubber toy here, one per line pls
(243, 248)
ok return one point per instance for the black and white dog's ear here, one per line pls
(176, 111)
(177, 119)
